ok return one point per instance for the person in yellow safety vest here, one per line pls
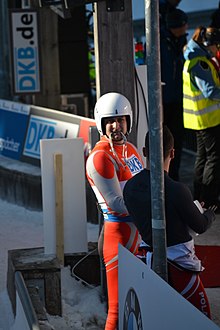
(201, 111)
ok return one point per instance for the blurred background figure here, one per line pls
(201, 87)
(215, 18)
(165, 7)
(172, 42)
(215, 22)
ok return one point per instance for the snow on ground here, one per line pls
(82, 306)
(20, 228)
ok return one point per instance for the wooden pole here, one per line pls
(58, 170)
(114, 52)
(49, 59)
(4, 50)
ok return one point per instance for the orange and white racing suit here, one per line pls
(108, 168)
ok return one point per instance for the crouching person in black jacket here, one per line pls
(184, 218)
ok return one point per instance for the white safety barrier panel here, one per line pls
(74, 196)
(147, 302)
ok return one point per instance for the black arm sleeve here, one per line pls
(197, 221)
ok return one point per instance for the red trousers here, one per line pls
(189, 285)
(186, 282)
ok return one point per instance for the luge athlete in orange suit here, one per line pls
(111, 163)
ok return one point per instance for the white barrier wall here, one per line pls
(148, 302)
(74, 196)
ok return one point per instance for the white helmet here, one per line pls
(112, 105)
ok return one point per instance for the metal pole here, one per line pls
(155, 137)
(4, 51)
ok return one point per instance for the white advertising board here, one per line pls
(148, 302)
(25, 48)
(74, 196)
(46, 128)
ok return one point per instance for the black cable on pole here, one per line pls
(144, 98)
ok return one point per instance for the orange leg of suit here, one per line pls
(127, 235)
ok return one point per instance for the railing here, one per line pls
(28, 315)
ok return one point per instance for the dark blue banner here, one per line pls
(13, 125)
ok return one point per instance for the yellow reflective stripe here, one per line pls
(205, 111)
(194, 98)
(199, 105)
(199, 112)
(201, 122)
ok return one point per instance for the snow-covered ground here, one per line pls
(82, 307)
